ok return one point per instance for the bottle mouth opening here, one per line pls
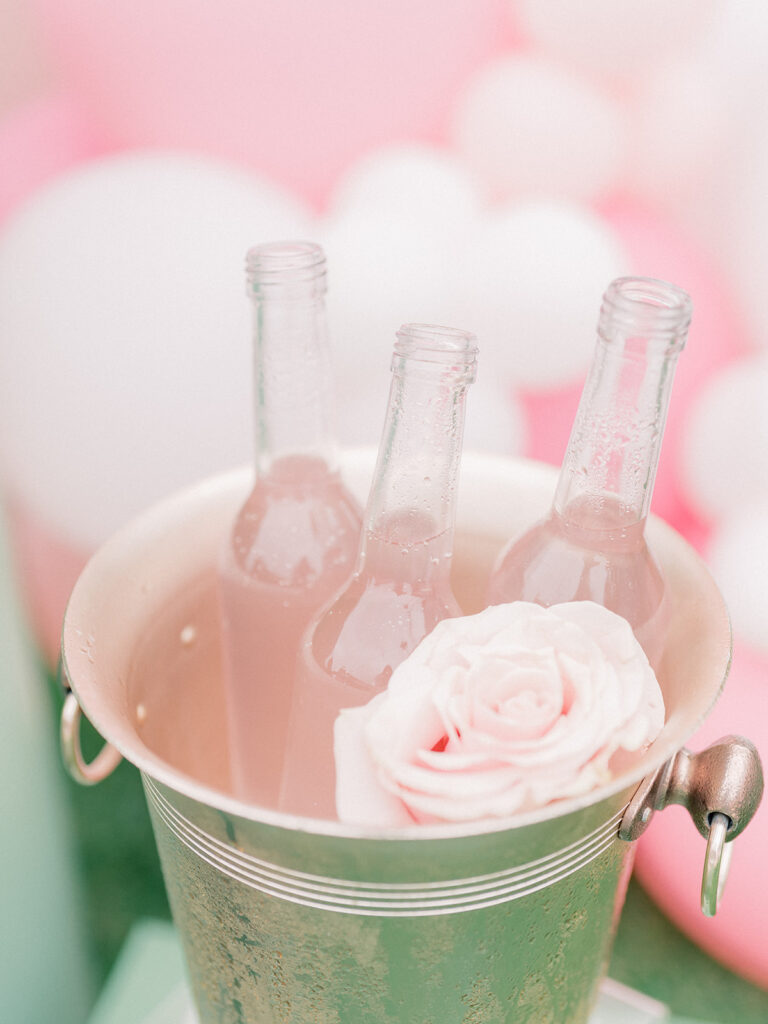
(432, 343)
(275, 265)
(645, 306)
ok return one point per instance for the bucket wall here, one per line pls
(287, 920)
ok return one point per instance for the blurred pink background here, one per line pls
(488, 163)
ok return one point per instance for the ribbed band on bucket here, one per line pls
(380, 899)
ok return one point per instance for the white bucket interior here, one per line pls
(141, 643)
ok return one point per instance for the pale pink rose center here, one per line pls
(499, 703)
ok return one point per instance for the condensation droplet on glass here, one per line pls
(188, 635)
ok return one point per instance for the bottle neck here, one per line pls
(292, 380)
(610, 464)
(409, 521)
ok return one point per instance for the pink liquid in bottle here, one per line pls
(292, 546)
(401, 587)
(592, 545)
(590, 552)
(295, 540)
(348, 655)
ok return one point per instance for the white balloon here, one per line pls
(422, 181)
(618, 39)
(738, 557)
(743, 235)
(526, 126)
(725, 441)
(385, 269)
(396, 243)
(495, 419)
(361, 407)
(125, 356)
(534, 275)
(698, 121)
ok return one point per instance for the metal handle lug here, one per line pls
(721, 788)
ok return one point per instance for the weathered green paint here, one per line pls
(260, 960)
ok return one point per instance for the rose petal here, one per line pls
(359, 796)
(497, 712)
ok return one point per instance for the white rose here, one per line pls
(496, 713)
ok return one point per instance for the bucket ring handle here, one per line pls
(717, 862)
(87, 773)
(720, 787)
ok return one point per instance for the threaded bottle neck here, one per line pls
(413, 494)
(444, 352)
(288, 269)
(614, 448)
(655, 311)
(293, 385)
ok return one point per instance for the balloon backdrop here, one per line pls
(487, 163)
(46, 136)
(123, 372)
(725, 439)
(520, 114)
(295, 89)
(738, 554)
(605, 39)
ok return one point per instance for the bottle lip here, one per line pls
(286, 264)
(433, 343)
(646, 306)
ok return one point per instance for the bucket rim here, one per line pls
(156, 768)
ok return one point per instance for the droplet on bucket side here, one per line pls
(188, 635)
(141, 713)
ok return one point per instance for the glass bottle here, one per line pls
(592, 544)
(401, 585)
(295, 539)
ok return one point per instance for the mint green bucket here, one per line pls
(286, 919)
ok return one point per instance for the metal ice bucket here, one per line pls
(285, 919)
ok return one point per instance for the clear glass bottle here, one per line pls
(401, 586)
(592, 544)
(294, 541)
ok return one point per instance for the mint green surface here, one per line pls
(651, 955)
(44, 965)
(149, 968)
(115, 847)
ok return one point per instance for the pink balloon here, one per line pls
(549, 415)
(47, 568)
(657, 249)
(39, 140)
(295, 89)
(670, 855)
